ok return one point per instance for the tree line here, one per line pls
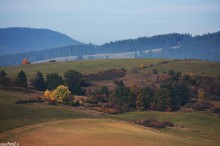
(188, 47)
(175, 90)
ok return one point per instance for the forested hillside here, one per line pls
(17, 40)
(206, 47)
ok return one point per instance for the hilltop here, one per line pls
(18, 39)
(174, 45)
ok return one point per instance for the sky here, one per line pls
(101, 21)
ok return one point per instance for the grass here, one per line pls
(85, 66)
(25, 122)
(19, 115)
(195, 67)
(97, 132)
(199, 125)
(93, 66)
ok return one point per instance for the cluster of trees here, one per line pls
(188, 47)
(72, 79)
(166, 98)
(176, 89)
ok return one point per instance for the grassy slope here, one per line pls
(94, 66)
(85, 67)
(199, 128)
(199, 125)
(17, 115)
(98, 132)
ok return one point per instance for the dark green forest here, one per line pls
(180, 46)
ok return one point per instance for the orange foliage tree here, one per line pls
(25, 61)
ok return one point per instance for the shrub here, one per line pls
(201, 106)
(62, 94)
(47, 94)
(5, 81)
(216, 110)
(171, 72)
(32, 100)
(106, 75)
(115, 81)
(155, 71)
(154, 124)
(96, 99)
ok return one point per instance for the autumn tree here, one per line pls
(47, 94)
(39, 82)
(21, 79)
(25, 61)
(62, 94)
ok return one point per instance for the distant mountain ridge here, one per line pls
(19, 39)
(174, 45)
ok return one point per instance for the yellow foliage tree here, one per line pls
(62, 94)
(47, 94)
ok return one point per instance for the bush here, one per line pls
(96, 99)
(47, 94)
(171, 72)
(5, 81)
(106, 75)
(216, 110)
(155, 71)
(62, 94)
(154, 124)
(201, 106)
(32, 100)
(73, 103)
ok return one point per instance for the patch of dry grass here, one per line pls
(98, 132)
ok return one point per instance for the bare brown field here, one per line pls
(93, 132)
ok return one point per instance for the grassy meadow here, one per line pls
(93, 66)
(43, 124)
(19, 115)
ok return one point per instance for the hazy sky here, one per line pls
(100, 21)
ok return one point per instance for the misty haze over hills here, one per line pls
(17, 40)
(38, 41)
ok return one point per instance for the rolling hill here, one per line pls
(177, 46)
(94, 66)
(17, 40)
